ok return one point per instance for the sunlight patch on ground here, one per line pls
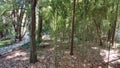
(46, 37)
(116, 45)
(44, 43)
(95, 48)
(51, 49)
(22, 58)
(67, 52)
(113, 55)
(18, 54)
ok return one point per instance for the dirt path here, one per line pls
(13, 46)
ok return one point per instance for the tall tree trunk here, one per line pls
(115, 23)
(40, 29)
(98, 29)
(20, 23)
(109, 35)
(33, 54)
(17, 22)
(14, 23)
(73, 21)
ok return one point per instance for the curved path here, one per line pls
(9, 48)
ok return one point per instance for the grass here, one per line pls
(4, 43)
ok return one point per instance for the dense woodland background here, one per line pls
(68, 33)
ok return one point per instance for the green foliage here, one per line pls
(57, 17)
(3, 26)
(4, 43)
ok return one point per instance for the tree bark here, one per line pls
(14, 23)
(20, 23)
(114, 25)
(40, 29)
(98, 28)
(73, 21)
(33, 54)
(109, 35)
(17, 22)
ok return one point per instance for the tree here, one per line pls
(73, 21)
(113, 24)
(17, 16)
(39, 23)
(33, 54)
(40, 29)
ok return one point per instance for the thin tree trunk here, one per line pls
(33, 54)
(73, 21)
(109, 35)
(40, 29)
(114, 25)
(14, 23)
(20, 24)
(98, 28)
(17, 21)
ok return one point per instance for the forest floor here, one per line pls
(49, 57)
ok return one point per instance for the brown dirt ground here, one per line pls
(19, 58)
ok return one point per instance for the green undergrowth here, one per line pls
(4, 43)
(26, 46)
